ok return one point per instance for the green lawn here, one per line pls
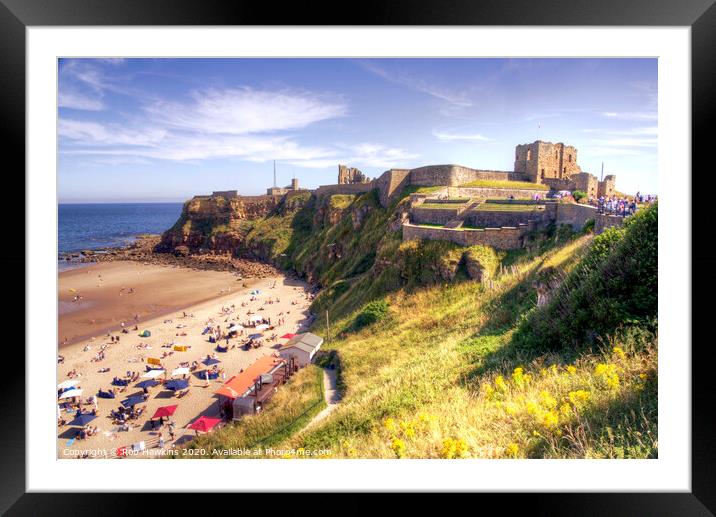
(507, 207)
(526, 185)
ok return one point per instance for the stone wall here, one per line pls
(500, 218)
(433, 215)
(347, 188)
(498, 238)
(607, 187)
(573, 214)
(347, 175)
(586, 183)
(604, 221)
(391, 183)
(455, 175)
(490, 192)
(228, 194)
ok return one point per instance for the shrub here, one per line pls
(614, 284)
(373, 312)
(588, 226)
(579, 195)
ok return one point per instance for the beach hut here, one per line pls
(204, 424)
(302, 348)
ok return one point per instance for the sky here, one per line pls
(152, 130)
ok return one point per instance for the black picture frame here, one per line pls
(700, 15)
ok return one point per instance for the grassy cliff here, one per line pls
(443, 351)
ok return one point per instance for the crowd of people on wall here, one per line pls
(623, 206)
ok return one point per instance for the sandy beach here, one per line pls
(175, 305)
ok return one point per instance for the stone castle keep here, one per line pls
(463, 204)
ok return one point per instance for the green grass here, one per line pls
(525, 185)
(342, 201)
(507, 207)
(441, 206)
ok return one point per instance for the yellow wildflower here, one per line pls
(607, 374)
(565, 409)
(579, 397)
(448, 450)
(517, 376)
(488, 390)
(619, 352)
(500, 383)
(512, 450)
(398, 447)
(550, 419)
(571, 369)
(547, 400)
(389, 424)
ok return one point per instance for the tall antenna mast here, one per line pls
(602, 178)
(274, 173)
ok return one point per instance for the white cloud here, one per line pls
(245, 111)
(451, 95)
(631, 115)
(94, 134)
(447, 137)
(74, 100)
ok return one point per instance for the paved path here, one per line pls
(330, 393)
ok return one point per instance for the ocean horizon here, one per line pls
(84, 226)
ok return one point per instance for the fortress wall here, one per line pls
(499, 238)
(604, 221)
(498, 219)
(432, 215)
(574, 215)
(346, 188)
(490, 192)
(391, 183)
(455, 175)
(558, 184)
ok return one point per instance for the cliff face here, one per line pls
(215, 223)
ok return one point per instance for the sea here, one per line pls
(99, 225)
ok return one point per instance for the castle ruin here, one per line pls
(349, 175)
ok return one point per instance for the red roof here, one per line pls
(204, 423)
(239, 384)
(165, 411)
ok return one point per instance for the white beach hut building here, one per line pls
(302, 347)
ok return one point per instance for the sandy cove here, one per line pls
(155, 290)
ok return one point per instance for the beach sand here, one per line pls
(162, 294)
(107, 300)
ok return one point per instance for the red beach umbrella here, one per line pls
(165, 411)
(287, 336)
(204, 424)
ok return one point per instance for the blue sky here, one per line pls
(166, 129)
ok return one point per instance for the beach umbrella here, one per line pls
(71, 393)
(165, 411)
(204, 424)
(235, 327)
(149, 383)
(262, 327)
(83, 419)
(132, 401)
(153, 374)
(287, 336)
(180, 371)
(255, 336)
(210, 361)
(69, 383)
(178, 384)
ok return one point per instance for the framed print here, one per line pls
(419, 253)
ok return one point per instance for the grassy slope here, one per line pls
(437, 378)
